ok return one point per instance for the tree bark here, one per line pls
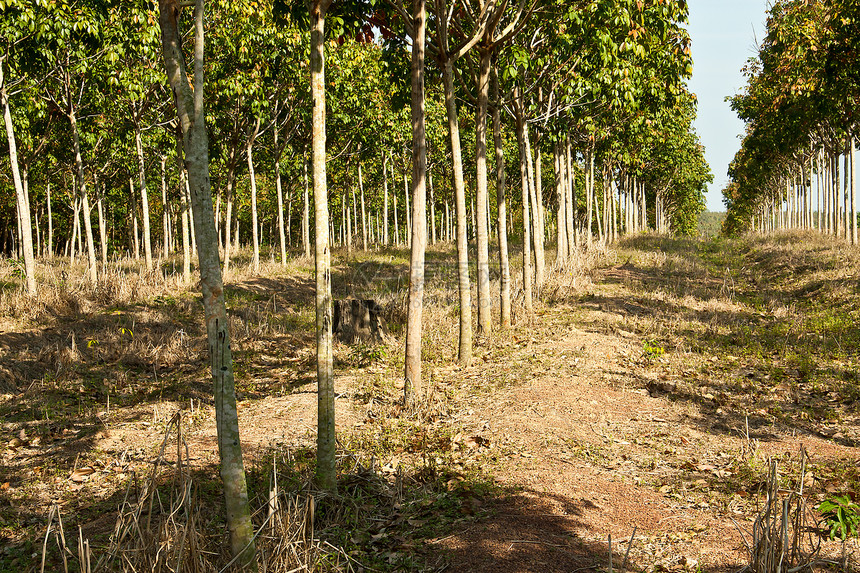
(536, 218)
(21, 201)
(75, 226)
(385, 199)
(465, 350)
(165, 208)
(189, 107)
(186, 214)
(413, 384)
(92, 272)
(228, 216)
(561, 211)
(570, 189)
(363, 211)
(524, 178)
(407, 232)
(432, 210)
(255, 231)
(501, 204)
(394, 208)
(485, 319)
(144, 199)
(50, 225)
(91, 249)
(853, 200)
(280, 192)
(325, 377)
(306, 216)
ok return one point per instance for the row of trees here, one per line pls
(795, 168)
(585, 101)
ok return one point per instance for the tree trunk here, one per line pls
(396, 222)
(432, 210)
(538, 179)
(485, 319)
(853, 201)
(189, 106)
(91, 249)
(413, 384)
(280, 192)
(186, 215)
(135, 236)
(50, 225)
(255, 225)
(228, 216)
(354, 220)
(82, 189)
(325, 377)
(76, 225)
(571, 196)
(385, 200)
(407, 232)
(306, 216)
(561, 253)
(363, 211)
(165, 210)
(589, 192)
(347, 223)
(524, 177)
(501, 204)
(465, 350)
(289, 221)
(21, 201)
(37, 248)
(846, 181)
(536, 219)
(144, 199)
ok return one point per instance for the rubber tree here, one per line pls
(68, 86)
(192, 119)
(326, 471)
(503, 22)
(22, 202)
(133, 73)
(412, 379)
(13, 35)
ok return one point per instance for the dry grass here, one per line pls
(138, 338)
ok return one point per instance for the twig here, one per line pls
(526, 541)
(610, 552)
(627, 553)
(743, 537)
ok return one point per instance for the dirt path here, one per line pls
(604, 441)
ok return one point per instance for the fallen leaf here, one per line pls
(82, 474)
(473, 442)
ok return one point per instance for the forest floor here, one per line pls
(644, 401)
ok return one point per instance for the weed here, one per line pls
(651, 349)
(841, 517)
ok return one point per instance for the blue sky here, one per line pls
(724, 34)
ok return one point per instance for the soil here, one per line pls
(605, 445)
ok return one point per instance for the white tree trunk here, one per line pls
(21, 200)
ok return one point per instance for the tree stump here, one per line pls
(359, 320)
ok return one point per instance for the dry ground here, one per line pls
(642, 401)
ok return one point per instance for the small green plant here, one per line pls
(841, 517)
(652, 349)
(364, 355)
